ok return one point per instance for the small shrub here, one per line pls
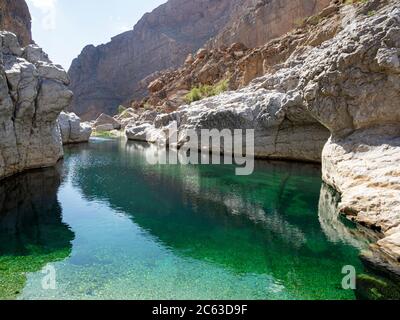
(147, 106)
(355, 1)
(121, 109)
(205, 91)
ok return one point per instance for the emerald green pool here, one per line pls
(115, 227)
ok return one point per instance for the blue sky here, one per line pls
(64, 27)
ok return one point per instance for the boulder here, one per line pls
(72, 129)
(201, 53)
(145, 132)
(104, 127)
(31, 99)
(105, 120)
(155, 86)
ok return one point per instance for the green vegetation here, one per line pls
(300, 22)
(147, 106)
(375, 288)
(205, 91)
(355, 1)
(105, 134)
(121, 109)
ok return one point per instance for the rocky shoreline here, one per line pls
(346, 88)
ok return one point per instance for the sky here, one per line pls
(64, 27)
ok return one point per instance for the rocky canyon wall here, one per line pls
(33, 92)
(105, 76)
(15, 17)
(267, 20)
(347, 88)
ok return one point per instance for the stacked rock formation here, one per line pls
(72, 129)
(33, 92)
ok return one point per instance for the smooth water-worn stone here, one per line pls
(33, 92)
(72, 129)
(106, 120)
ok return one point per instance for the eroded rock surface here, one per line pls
(105, 76)
(15, 17)
(72, 129)
(347, 88)
(33, 91)
(238, 64)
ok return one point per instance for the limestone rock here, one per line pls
(266, 20)
(237, 65)
(106, 120)
(30, 103)
(145, 132)
(72, 129)
(156, 86)
(106, 76)
(348, 88)
(15, 17)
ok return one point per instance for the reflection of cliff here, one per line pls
(32, 233)
(336, 228)
(248, 225)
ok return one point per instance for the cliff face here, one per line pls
(237, 64)
(105, 76)
(337, 103)
(33, 91)
(266, 20)
(15, 17)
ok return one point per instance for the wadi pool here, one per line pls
(111, 226)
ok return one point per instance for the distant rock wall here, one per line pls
(105, 76)
(266, 20)
(15, 17)
(33, 92)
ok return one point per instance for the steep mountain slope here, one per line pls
(103, 77)
(15, 17)
(235, 66)
(267, 20)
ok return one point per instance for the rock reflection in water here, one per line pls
(32, 233)
(266, 223)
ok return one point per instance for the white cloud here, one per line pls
(48, 9)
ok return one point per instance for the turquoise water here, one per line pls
(115, 227)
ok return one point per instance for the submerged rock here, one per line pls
(33, 91)
(72, 129)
